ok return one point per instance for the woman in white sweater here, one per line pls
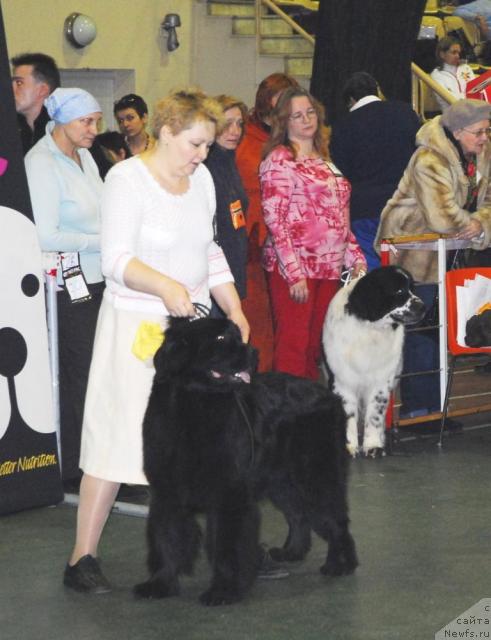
(450, 72)
(159, 259)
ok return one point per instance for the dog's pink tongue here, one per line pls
(244, 376)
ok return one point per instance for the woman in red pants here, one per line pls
(256, 305)
(305, 202)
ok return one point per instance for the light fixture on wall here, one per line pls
(80, 30)
(169, 24)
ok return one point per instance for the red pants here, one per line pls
(298, 326)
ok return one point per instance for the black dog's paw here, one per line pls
(279, 554)
(216, 596)
(339, 566)
(155, 589)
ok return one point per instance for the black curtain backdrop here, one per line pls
(14, 192)
(377, 36)
(29, 466)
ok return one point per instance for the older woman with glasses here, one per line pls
(305, 203)
(445, 189)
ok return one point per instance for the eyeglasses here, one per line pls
(300, 115)
(480, 132)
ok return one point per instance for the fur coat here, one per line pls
(430, 199)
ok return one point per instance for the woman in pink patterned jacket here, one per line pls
(305, 203)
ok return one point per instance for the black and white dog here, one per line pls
(363, 337)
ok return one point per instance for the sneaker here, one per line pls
(269, 569)
(86, 576)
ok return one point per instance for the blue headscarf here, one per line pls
(65, 105)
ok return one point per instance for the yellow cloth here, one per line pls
(149, 337)
(485, 307)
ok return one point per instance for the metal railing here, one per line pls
(422, 84)
(269, 4)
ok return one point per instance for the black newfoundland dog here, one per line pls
(215, 441)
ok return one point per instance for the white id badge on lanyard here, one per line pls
(73, 277)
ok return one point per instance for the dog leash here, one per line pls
(249, 426)
(201, 311)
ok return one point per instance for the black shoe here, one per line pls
(269, 569)
(86, 576)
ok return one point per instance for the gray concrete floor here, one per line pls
(420, 518)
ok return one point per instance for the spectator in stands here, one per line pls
(34, 77)
(248, 159)
(131, 113)
(305, 202)
(232, 201)
(446, 188)
(450, 72)
(65, 190)
(371, 146)
(479, 12)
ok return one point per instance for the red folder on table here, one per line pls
(479, 88)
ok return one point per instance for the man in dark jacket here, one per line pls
(372, 146)
(34, 77)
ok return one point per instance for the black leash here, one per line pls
(202, 311)
(249, 427)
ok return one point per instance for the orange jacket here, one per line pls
(248, 157)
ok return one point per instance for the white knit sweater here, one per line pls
(172, 234)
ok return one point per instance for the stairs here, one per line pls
(278, 39)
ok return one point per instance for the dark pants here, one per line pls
(421, 394)
(76, 330)
(365, 230)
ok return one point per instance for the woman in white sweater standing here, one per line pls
(159, 259)
(450, 72)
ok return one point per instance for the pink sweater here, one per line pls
(306, 209)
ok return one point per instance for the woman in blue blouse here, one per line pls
(65, 190)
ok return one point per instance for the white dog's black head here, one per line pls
(207, 352)
(387, 294)
(478, 330)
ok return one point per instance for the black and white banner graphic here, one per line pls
(29, 465)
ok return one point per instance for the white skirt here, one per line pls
(117, 395)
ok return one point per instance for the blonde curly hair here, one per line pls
(182, 108)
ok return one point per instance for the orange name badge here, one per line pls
(238, 218)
